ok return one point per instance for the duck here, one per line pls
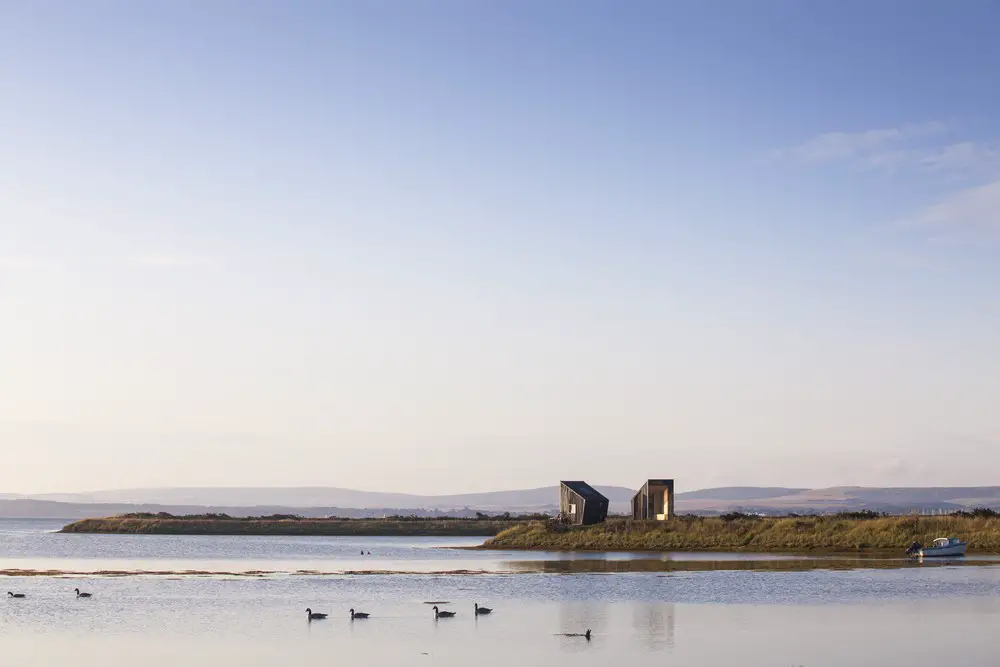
(15, 595)
(315, 615)
(442, 614)
(358, 614)
(482, 611)
(81, 595)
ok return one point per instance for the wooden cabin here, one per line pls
(581, 504)
(654, 501)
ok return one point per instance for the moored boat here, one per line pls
(942, 546)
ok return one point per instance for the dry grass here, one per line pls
(814, 533)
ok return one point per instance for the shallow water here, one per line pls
(813, 616)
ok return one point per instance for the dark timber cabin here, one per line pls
(581, 504)
(654, 501)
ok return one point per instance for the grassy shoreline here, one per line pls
(819, 534)
(289, 526)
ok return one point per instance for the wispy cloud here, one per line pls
(967, 217)
(904, 148)
(836, 146)
(964, 156)
(165, 261)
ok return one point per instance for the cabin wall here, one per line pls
(654, 500)
(596, 511)
(567, 500)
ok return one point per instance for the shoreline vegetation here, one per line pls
(853, 532)
(857, 532)
(286, 524)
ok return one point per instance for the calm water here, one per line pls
(678, 609)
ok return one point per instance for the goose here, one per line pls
(15, 595)
(442, 614)
(358, 614)
(81, 595)
(315, 615)
(482, 611)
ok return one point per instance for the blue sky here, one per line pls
(331, 242)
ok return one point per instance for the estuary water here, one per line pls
(180, 600)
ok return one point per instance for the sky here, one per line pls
(460, 246)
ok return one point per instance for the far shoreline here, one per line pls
(289, 526)
(859, 534)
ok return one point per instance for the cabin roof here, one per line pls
(583, 489)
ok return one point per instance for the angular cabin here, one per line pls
(654, 501)
(581, 504)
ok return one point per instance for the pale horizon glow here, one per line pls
(455, 247)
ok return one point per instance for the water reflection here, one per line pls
(608, 566)
(575, 619)
(655, 625)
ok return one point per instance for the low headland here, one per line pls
(856, 532)
(287, 524)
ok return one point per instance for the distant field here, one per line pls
(213, 525)
(787, 534)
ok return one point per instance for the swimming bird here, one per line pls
(358, 614)
(15, 595)
(81, 595)
(442, 614)
(482, 611)
(315, 615)
(585, 635)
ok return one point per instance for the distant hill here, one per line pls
(307, 501)
(738, 493)
(47, 509)
(895, 500)
(519, 500)
(331, 501)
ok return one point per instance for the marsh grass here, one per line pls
(832, 533)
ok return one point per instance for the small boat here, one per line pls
(941, 547)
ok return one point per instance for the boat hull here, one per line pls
(949, 551)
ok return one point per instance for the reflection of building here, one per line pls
(655, 500)
(581, 504)
(578, 617)
(654, 624)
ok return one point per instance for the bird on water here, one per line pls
(585, 635)
(315, 615)
(482, 611)
(15, 595)
(442, 614)
(358, 614)
(81, 595)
